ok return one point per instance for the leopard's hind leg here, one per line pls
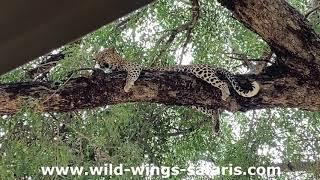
(133, 71)
(208, 74)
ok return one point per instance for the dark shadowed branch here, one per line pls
(170, 88)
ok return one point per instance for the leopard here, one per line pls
(110, 58)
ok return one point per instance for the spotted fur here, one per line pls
(111, 59)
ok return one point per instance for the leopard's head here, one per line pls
(108, 58)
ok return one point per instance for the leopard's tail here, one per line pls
(255, 87)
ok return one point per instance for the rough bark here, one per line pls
(277, 90)
(280, 25)
(287, 32)
(292, 81)
(311, 167)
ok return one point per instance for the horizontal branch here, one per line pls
(170, 88)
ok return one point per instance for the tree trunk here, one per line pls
(286, 31)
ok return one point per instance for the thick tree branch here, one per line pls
(286, 31)
(171, 88)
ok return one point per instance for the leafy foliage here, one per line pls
(133, 134)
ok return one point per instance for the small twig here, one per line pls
(135, 17)
(55, 91)
(242, 59)
(70, 74)
(194, 127)
(184, 47)
(44, 67)
(185, 2)
(258, 66)
(184, 27)
(245, 58)
(166, 46)
(83, 69)
(312, 11)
